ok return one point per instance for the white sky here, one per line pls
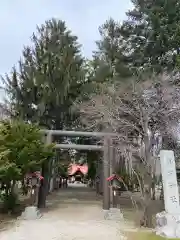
(18, 20)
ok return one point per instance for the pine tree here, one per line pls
(110, 58)
(152, 32)
(49, 77)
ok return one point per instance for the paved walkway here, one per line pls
(72, 214)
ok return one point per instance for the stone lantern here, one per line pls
(114, 181)
(34, 180)
(115, 184)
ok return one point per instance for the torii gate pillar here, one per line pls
(106, 174)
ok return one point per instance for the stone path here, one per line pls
(73, 213)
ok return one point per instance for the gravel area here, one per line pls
(73, 213)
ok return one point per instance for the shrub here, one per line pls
(21, 151)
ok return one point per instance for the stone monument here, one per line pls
(168, 222)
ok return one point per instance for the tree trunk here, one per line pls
(148, 217)
(153, 189)
(100, 174)
(148, 174)
(146, 221)
(8, 187)
(43, 190)
(161, 194)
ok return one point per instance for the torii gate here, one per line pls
(106, 148)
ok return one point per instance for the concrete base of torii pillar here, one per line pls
(113, 214)
(31, 213)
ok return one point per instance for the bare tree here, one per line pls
(145, 113)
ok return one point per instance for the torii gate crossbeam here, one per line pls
(104, 148)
